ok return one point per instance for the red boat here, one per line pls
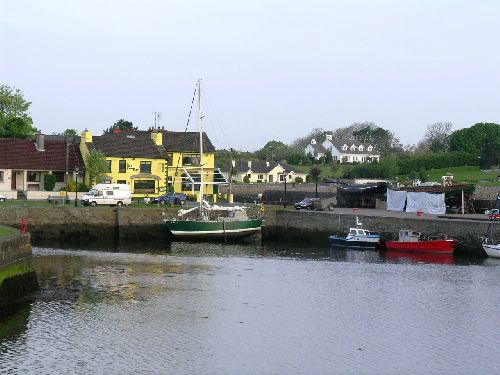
(413, 242)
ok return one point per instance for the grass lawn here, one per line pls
(471, 175)
(326, 171)
(4, 232)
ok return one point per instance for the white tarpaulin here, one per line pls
(396, 200)
(426, 202)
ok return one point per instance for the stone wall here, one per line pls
(316, 227)
(17, 276)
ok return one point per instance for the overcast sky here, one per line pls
(271, 69)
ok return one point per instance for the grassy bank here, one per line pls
(5, 232)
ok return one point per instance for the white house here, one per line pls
(263, 171)
(344, 151)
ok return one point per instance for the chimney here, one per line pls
(233, 163)
(313, 141)
(267, 164)
(249, 164)
(40, 142)
(86, 136)
(157, 138)
(329, 137)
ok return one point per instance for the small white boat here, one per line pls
(493, 250)
(490, 244)
(358, 237)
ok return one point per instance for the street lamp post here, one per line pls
(284, 198)
(77, 170)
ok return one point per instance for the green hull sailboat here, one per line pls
(212, 222)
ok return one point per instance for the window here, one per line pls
(1, 176)
(122, 166)
(361, 148)
(353, 148)
(59, 176)
(109, 192)
(144, 187)
(261, 176)
(344, 147)
(33, 176)
(108, 169)
(121, 181)
(370, 148)
(146, 167)
(170, 158)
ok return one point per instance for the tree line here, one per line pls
(440, 146)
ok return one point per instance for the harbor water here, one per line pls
(252, 309)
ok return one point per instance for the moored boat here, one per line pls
(411, 241)
(490, 244)
(211, 222)
(358, 238)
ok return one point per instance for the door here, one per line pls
(13, 180)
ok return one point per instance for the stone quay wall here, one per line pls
(17, 276)
(105, 226)
(317, 226)
(73, 226)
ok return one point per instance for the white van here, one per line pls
(112, 194)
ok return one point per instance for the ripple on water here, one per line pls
(101, 312)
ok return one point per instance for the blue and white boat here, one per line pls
(358, 237)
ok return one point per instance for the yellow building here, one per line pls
(149, 160)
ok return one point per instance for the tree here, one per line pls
(473, 140)
(96, 166)
(318, 134)
(49, 182)
(490, 156)
(382, 139)
(315, 172)
(70, 133)
(122, 125)
(15, 120)
(273, 151)
(436, 137)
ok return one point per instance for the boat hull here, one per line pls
(433, 246)
(492, 250)
(371, 242)
(214, 230)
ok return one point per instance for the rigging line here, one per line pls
(185, 131)
(211, 109)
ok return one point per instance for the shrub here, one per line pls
(49, 182)
(299, 180)
(246, 179)
(81, 186)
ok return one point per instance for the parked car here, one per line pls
(176, 198)
(306, 203)
(3, 198)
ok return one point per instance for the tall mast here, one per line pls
(200, 113)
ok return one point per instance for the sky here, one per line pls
(271, 70)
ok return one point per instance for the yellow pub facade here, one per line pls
(157, 161)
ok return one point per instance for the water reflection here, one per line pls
(215, 308)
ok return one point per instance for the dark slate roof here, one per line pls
(318, 148)
(179, 141)
(123, 146)
(18, 153)
(340, 142)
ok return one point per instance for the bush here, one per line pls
(299, 180)
(49, 182)
(246, 179)
(81, 186)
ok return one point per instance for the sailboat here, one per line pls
(490, 245)
(212, 222)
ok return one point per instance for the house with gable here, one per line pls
(24, 163)
(155, 161)
(263, 171)
(344, 151)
